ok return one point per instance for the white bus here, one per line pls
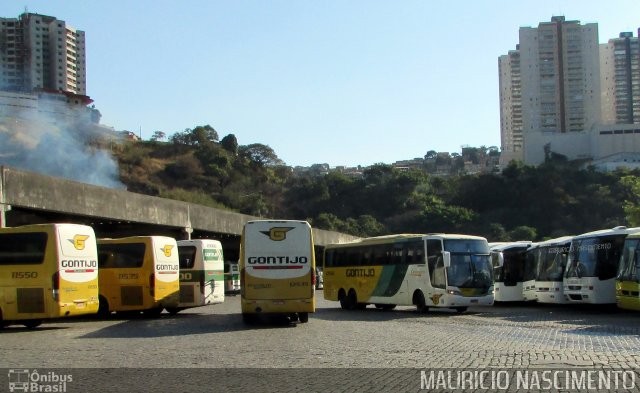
(508, 260)
(277, 270)
(201, 273)
(436, 270)
(529, 274)
(592, 267)
(552, 261)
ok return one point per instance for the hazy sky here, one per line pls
(340, 82)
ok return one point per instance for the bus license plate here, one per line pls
(474, 300)
(278, 302)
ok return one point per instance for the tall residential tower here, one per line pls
(39, 52)
(620, 80)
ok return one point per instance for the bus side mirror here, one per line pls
(446, 257)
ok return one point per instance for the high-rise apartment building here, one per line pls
(620, 80)
(560, 70)
(39, 52)
(510, 105)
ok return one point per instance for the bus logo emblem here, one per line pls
(79, 241)
(167, 250)
(277, 234)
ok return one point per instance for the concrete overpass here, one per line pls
(30, 198)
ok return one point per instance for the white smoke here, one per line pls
(55, 139)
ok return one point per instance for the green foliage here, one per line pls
(632, 202)
(196, 197)
(522, 203)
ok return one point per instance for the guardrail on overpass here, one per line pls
(36, 192)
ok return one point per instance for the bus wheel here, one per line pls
(152, 312)
(352, 300)
(303, 317)
(173, 310)
(32, 323)
(3, 323)
(249, 319)
(460, 310)
(103, 308)
(343, 300)
(421, 304)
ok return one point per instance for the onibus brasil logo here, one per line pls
(24, 380)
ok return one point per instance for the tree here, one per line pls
(523, 232)
(230, 144)
(632, 203)
(158, 136)
(260, 154)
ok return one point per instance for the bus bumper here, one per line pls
(278, 306)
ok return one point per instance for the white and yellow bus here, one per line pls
(277, 269)
(628, 279)
(201, 273)
(592, 266)
(47, 271)
(435, 270)
(552, 258)
(138, 273)
(508, 260)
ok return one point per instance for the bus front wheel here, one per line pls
(152, 312)
(173, 310)
(249, 319)
(103, 308)
(32, 323)
(420, 302)
(303, 317)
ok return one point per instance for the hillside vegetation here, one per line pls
(522, 202)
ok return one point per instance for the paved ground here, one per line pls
(499, 337)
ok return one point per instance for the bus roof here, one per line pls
(511, 245)
(556, 241)
(621, 230)
(403, 237)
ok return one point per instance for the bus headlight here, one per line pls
(453, 292)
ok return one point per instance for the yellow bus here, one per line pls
(628, 279)
(138, 273)
(435, 270)
(277, 270)
(47, 271)
(201, 273)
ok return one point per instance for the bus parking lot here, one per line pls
(506, 336)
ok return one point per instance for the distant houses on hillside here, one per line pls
(471, 160)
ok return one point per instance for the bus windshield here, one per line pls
(629, 264)
(552, 262)
(595, 257)
(470, 264)
(512, 270)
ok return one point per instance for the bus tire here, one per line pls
(32, 323)
(460, 310)
(249, 319)
(303, 317)
(173, 310)
(352, 300)
(103, 308)
(343, 299)
(152, 312)
(420, 302)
